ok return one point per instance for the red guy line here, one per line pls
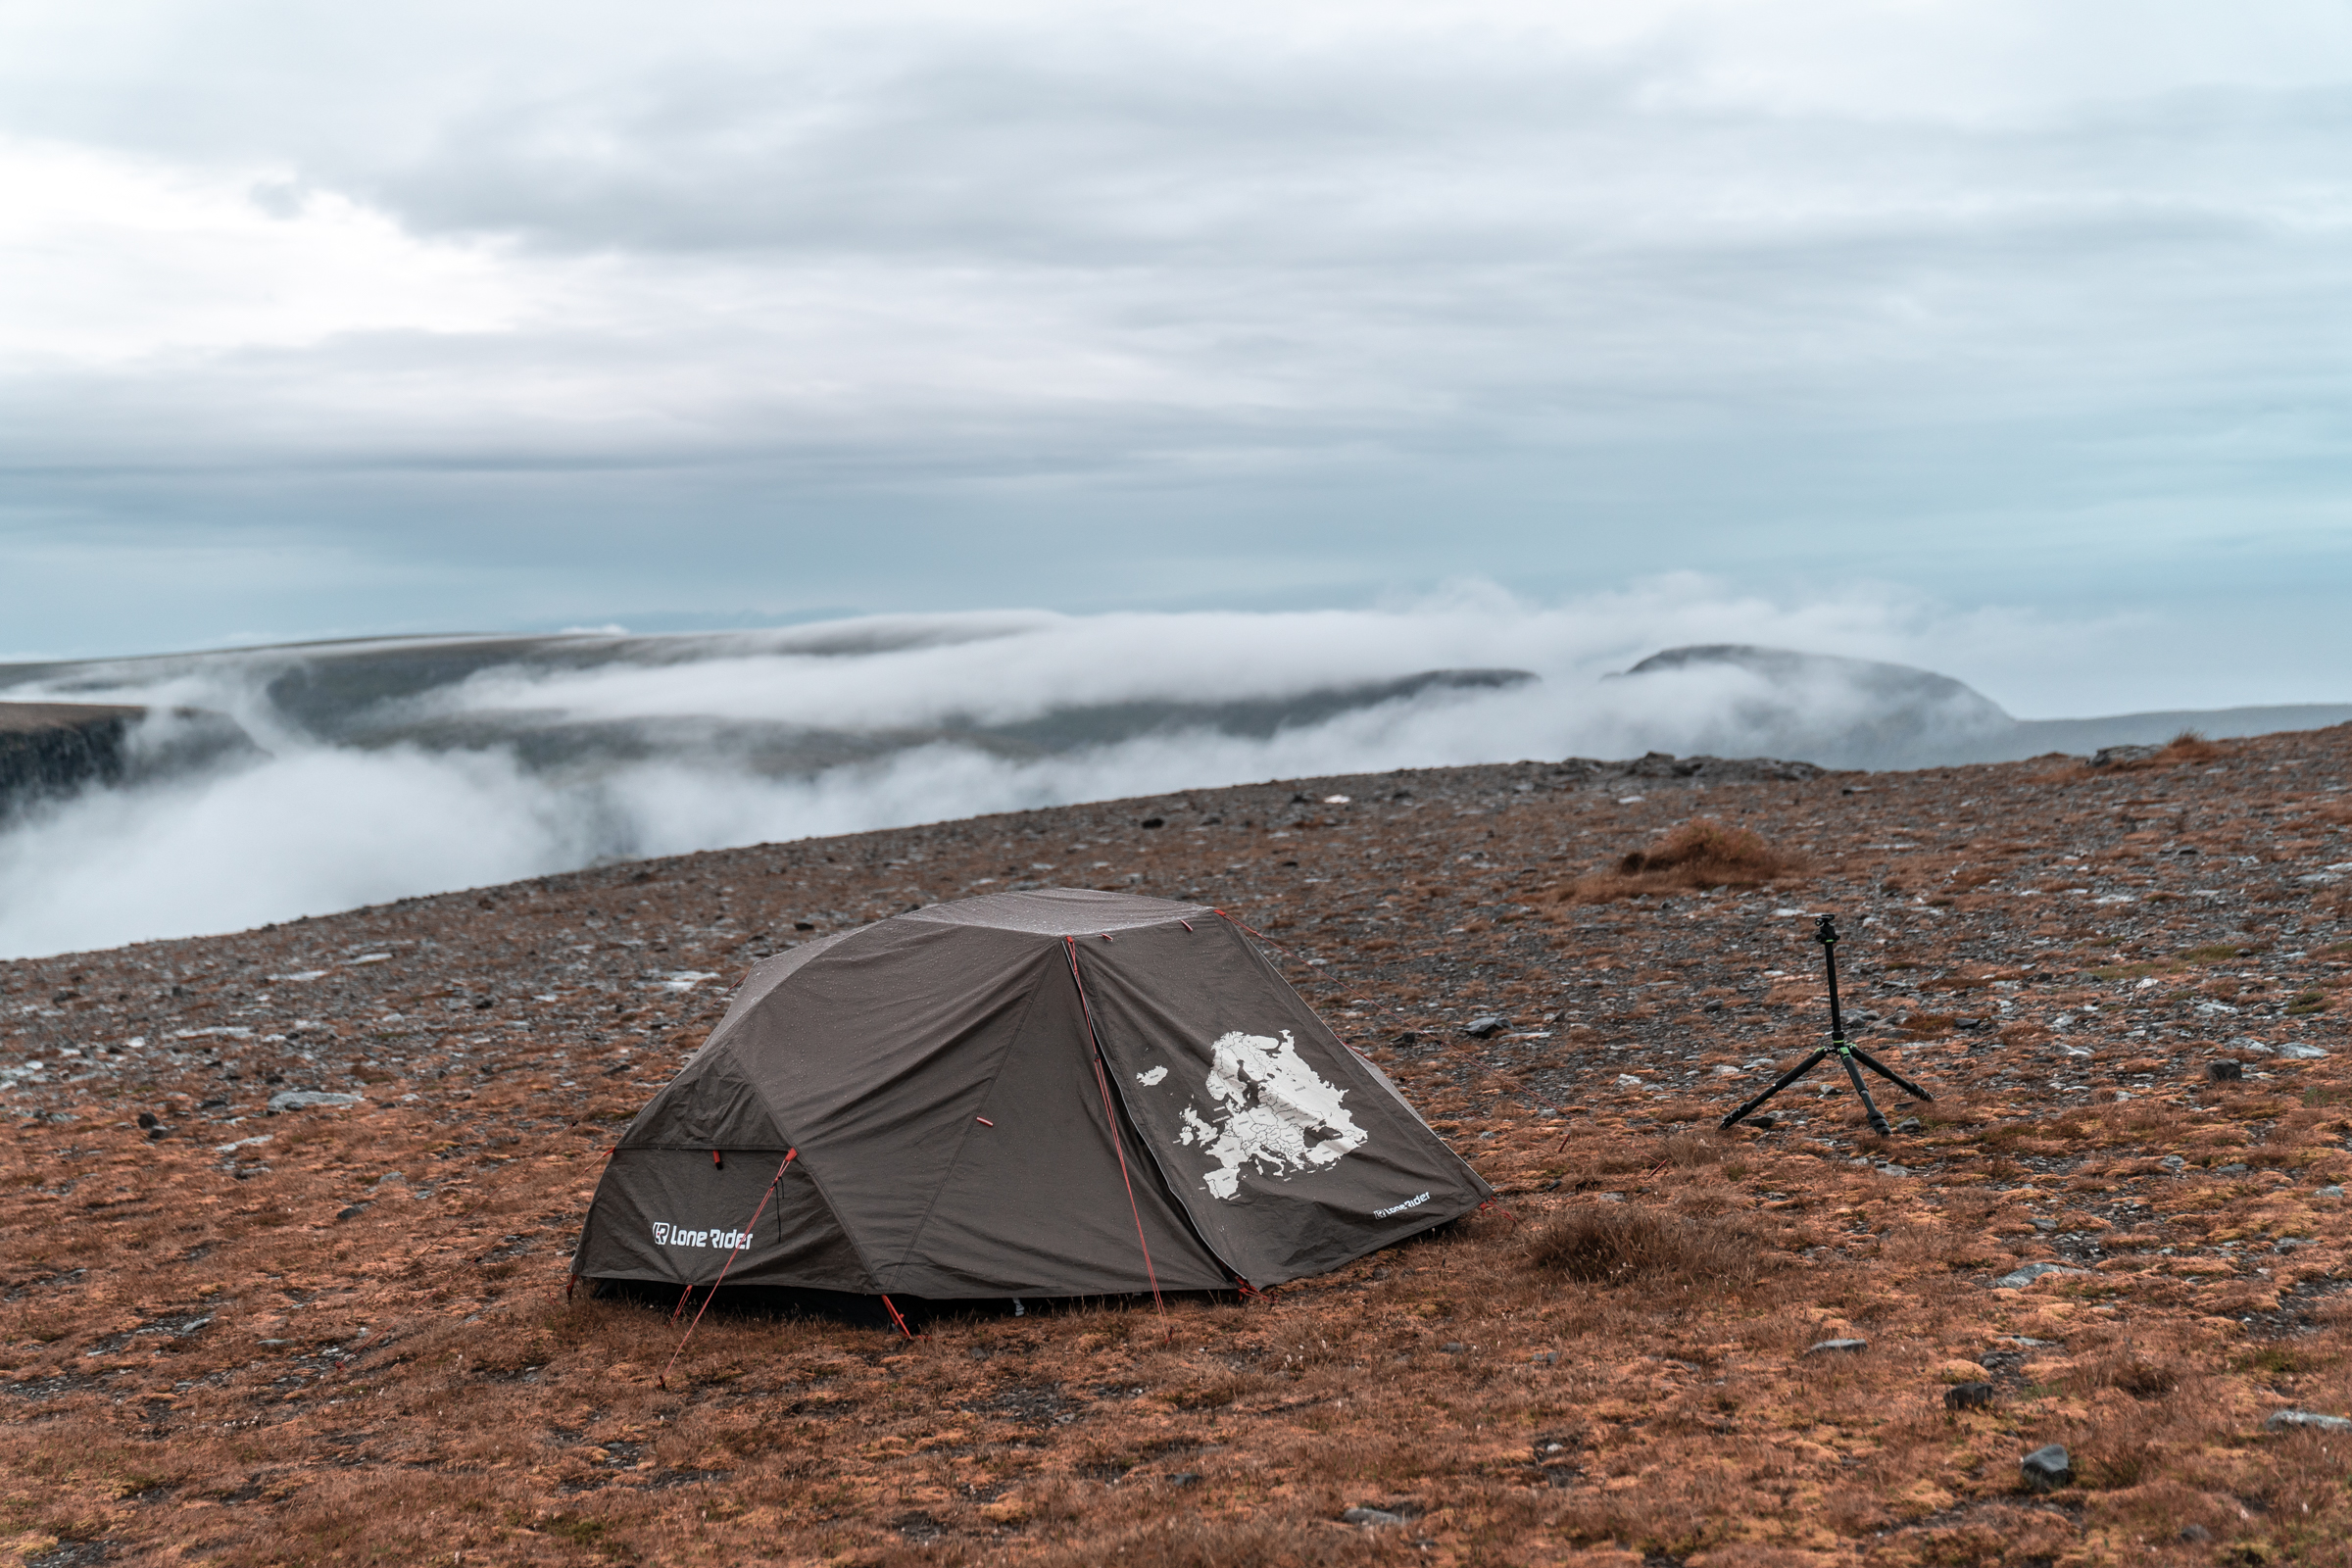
(1117, 1144)
(742, 1236)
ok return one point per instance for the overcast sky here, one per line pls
(330, 319)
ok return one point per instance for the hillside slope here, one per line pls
(340, 1333)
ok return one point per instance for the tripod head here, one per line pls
(1825, 930)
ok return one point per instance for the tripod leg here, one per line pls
(1870, 1107)
(1790, 1077)
(1889, 1075)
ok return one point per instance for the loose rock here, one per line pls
(2019, 1279)
(2285, 1420)
(2047, 1469)
(1832, 1345)
(1371, 1518)
(1968, 1397)
(306, 1099)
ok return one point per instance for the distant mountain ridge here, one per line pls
(372, 695)
(1865, 713)
(520, 696)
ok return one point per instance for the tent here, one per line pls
(1039, 1094)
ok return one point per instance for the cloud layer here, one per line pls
(306, 823)
(444, 318)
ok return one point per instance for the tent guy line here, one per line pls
(742, 1236)
(1118, 1137)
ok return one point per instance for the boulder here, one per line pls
(2047, 1469)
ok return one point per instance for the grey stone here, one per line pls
(353, 1211)
(2196, 1534)
(1968, 1397)
(2296, 1051)
(2283, 1420)
(306, 1099)
(2047, 1469)
(1479, 1028)
(1453, 1348)
(2229, 1170)
(1371, 1518)
(2224, 1072)
(1185, 1478)
(2173, 1163)
(1893, 1170)
(2328, 1191)
(1832, 1345)
(2019, 1279)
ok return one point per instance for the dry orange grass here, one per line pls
(2189, 747)
(1703, 853)
(387, 1373)
(1614, 1243)
(2186, 748)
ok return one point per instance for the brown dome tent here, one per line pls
(1048, 1094)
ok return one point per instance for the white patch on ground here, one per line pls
(1147, 1079)
(1272, 1104)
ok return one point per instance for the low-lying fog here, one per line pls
(318, 778)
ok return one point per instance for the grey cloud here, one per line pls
(1024, 307)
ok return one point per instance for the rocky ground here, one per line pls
(340, 1333)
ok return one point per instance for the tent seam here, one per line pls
(1168, 1186)
(832, 1210)
(915, 1237)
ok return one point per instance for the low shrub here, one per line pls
(1703, 853)
(1615, 1244)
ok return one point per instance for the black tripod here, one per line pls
(1854, 1057)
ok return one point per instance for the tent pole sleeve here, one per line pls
(1118, 1142)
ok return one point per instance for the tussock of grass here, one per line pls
(1703, 853)
(1615, 1244)
(2184, 748)
(1191, 1541)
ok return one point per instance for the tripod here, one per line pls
(1853, 1058)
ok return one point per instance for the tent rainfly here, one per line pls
(1048, 1094)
